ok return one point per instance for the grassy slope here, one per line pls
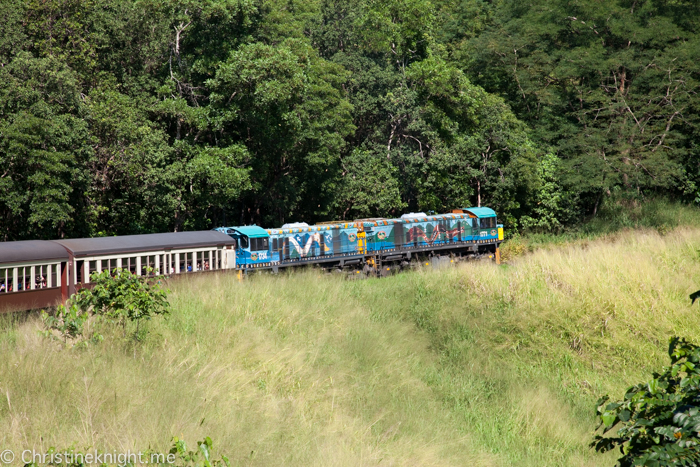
(615, 216)
(475, 365)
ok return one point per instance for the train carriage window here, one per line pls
(188, 262)
(40, 277)
(80, 271)
(209, 264)
(3, 281)
(20, 279)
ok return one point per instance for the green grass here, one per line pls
(617, 215)
(477, 365)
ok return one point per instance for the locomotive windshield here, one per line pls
(259, 244)
(488, 222)
(255, 244)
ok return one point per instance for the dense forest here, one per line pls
(137, 116)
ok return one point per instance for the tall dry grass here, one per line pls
(476, 365)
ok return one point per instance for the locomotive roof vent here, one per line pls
(295, 225)
(413, 215)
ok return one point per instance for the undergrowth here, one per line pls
(616, 216)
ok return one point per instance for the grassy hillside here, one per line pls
(617, 214)
(475, 365)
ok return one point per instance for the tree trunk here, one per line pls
(597, 202)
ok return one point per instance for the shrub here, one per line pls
(122, 296)
(68, 321)
(658, 420)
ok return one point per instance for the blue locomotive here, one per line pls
(372, 244)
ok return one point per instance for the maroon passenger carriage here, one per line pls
(38, 274)
(33, 274)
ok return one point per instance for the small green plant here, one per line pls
(203, 456)
(659, 420)
(121, 296)
(68, 321)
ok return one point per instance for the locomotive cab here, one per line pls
(486, 226)
(252, 245)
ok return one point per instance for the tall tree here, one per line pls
(614, 91)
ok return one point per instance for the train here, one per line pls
(43, 273)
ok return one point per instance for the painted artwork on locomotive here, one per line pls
(310, 244)
(314, 241)
(434, 232)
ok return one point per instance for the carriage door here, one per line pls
(398, 235)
